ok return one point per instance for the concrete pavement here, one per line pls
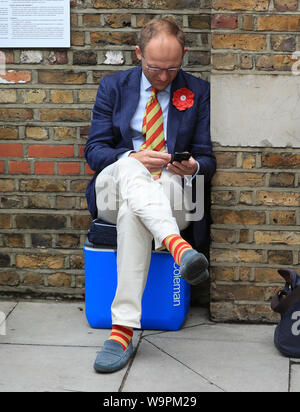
(48, 346)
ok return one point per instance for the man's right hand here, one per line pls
(152, 160)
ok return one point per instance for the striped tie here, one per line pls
(153, 128)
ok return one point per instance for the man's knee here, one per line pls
(122, 168)
(128, 165)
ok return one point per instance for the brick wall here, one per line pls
(46, 97)
(255, 195)
(254, 36)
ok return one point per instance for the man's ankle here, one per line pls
(121, 334)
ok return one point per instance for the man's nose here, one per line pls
(163, 75)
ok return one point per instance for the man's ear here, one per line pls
(185, 50)
(138, 52)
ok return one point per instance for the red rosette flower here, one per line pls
(183, 99)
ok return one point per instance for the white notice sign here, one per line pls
(34, 23)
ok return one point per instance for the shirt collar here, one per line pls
(146, 85)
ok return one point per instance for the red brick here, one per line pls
(224, 21)
(88, 170)
(13, 76)
(50, 151)
(11, 150)
(44, 168)
(69, 168)
(81, 151)
(21, 167)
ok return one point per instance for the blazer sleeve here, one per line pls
(103, 144)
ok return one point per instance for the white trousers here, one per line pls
(143, 209)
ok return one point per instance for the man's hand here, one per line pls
(152, 160)
(184, 168)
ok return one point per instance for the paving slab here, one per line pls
(53, 323)
(224, 331)
(49, 346)
(5, 309)
(35, 368)
(196, 316)
(236, 358)
(153, 370)
(295, 378)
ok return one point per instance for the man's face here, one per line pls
(162, 52)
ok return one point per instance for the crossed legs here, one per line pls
(141, 209)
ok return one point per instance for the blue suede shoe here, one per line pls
(112, 357)
(193, 267)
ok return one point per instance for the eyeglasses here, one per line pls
(160, 70)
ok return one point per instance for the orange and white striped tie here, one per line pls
(153, 128)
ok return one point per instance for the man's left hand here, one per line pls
(184, 168)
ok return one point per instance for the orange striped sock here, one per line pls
(176, 245)
(121, 334)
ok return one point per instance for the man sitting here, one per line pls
(141, 116)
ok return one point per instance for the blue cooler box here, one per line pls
(166, 298)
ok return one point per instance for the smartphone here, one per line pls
(179, 157)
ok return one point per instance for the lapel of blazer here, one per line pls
(129, 101)
(175, 116)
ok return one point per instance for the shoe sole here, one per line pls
(111, 369)
(116, 366)
(196, 271)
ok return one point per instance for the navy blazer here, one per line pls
(110, 133)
